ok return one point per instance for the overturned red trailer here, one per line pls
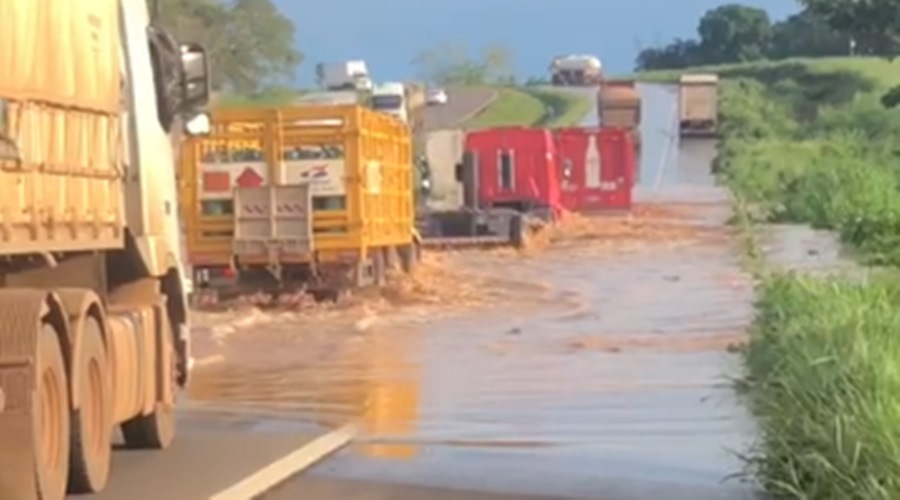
(515, 177)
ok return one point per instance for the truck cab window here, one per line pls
(506, 170)
(165, 57)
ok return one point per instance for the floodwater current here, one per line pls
(597, 365)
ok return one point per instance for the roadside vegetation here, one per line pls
(813, 141)
(512, 106)
(562, 109)
(531, 107)
(810, 142)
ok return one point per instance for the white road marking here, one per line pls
(294, 462)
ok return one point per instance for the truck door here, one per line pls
(273, 223)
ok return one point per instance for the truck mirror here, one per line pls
(458, 172)
(195, 70)
(198, 125)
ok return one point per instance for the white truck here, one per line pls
(390, 98)
(698, 105)
(576, 70)
(346, 75)
(93, 314)
(329, 98)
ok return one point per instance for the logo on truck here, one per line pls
(316, 172)
(325, 177)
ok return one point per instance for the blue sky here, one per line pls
(389, 33)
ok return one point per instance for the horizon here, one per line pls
(381, 32)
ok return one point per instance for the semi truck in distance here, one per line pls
(698, 105)
(390, 98)
(93, 312)
(576, 70)
(619, 105)
(345, 75)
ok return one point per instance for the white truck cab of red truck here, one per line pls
(93, 314)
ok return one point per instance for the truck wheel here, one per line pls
(91, 449)
(517, 228)
(155, 431)
(379, 267)
(52, 416)
(409, 257)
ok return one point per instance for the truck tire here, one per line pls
(379, 267)
(155, 431)
(51, 414)
(409, 256)
(517, 227)
(91, 448)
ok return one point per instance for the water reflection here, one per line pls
(328, 379)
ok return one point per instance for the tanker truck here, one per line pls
(93, 313)
(576, 70)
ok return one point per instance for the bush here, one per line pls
(822, 156)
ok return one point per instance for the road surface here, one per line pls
(463, 104)
(593, 369)
(212, 453)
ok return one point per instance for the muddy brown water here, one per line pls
(596, 366)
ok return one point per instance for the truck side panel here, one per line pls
(601, 167)
(60, 163)
(78, 41)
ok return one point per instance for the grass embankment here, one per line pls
(808, 142)
(562, 109)
(531, 107)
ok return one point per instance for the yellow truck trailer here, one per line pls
(698, 105)
(94, 333)
(314, 198)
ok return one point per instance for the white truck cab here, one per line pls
(390, 98)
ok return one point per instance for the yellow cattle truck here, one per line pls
(306, 198)
(93, 314)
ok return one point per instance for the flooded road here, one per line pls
(595, 366)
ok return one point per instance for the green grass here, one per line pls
(511, 107)
(826, 381)
(531, 107)
(806, 141)
(564, 109)
(880, 71)
(278, 97)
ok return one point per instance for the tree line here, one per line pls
(735, 33)
(250, 42)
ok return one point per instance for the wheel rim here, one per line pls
(51, 416)
(93, 410)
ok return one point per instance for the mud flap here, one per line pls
(165, 356)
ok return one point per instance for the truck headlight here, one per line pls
(198, 125)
